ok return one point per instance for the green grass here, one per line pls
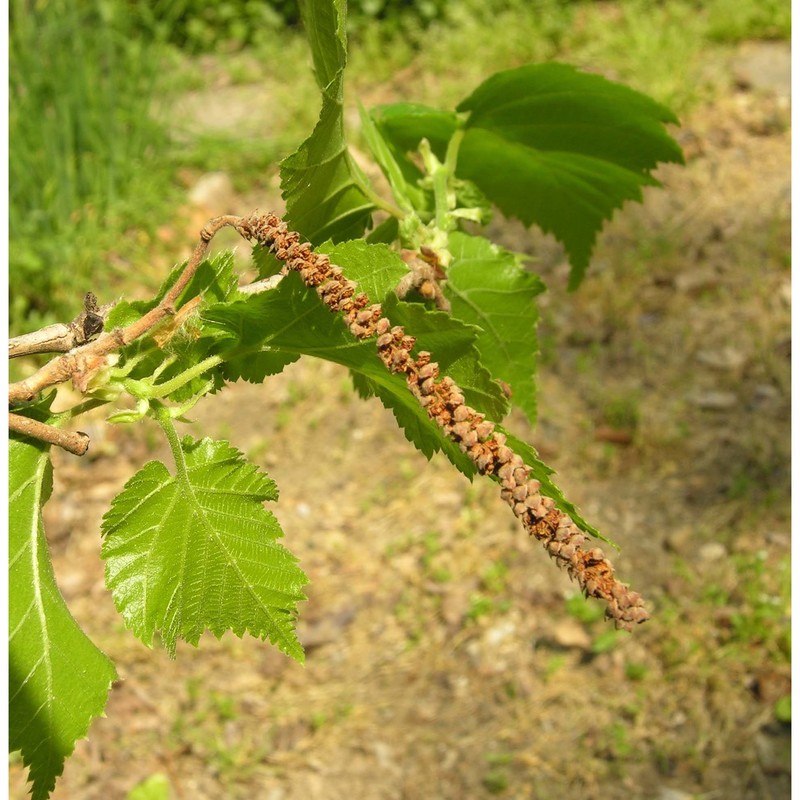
(92, 170)
(659, 47)
(81, 148)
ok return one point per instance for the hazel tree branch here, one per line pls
(81, 362)
(62, 337)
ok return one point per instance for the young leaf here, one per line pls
(394, 166)
(58, 680)
(374, 267)
(562, 148)
(182, 343)
(319, 181)
(215, 278)
(197, 550)
(488, 287)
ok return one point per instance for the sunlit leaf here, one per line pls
(198, 551)
(58, 680)
(488, 287)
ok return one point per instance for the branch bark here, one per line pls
(75, 442)
(63, 336)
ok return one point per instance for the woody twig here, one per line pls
(85, 359)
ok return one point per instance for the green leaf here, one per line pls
(394, 166)
(405, 125)
(320, 182)
(324, 22)
(255, 367)
(215, 278)
(384, 233)
(562, 148)
(542, 473)
(198, 551)
(556, 107)
(488, 287)
(58, 680)
(374, 267)
(451, 344)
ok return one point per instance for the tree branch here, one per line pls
(63, 337)
(81, 362)
(75, 442)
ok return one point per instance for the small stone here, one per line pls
(665, 793)
(698, 281)
(496, 634)
(679, 541)
(726, 359)
(764, 66)
(774, 751)
(214, 193)
(785, 293)
(712, 551)
(713, 401)
(569, 633)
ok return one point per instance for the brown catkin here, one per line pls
(444, 403)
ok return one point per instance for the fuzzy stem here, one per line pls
(166, 388)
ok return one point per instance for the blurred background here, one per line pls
(447, 657)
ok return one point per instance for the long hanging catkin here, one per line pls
(444, 403)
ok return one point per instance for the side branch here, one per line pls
(82, 361)
(74, 442)
(62, 337)
(444, 404)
